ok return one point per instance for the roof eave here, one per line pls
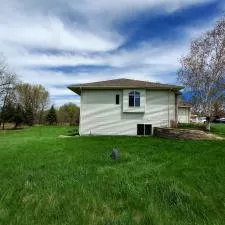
(77, 89)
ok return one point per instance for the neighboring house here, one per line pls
(126, 107)
(184, 112)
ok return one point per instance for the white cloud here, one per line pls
(59, 91)
(43, 24)
(59, 102)
(144, 54)
(52, 33)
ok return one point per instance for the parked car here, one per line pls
(197, 119)
(202, 120)
(220, 120)
(194, 118)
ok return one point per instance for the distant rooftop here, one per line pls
(123, 84)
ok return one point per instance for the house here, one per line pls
(184, 112)
(126, 107)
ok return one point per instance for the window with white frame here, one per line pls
(134, 99)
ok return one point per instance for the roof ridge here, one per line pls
(125, 79)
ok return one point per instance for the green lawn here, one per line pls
(46, 180)
(219, 129)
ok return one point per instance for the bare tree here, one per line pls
(43, 103)
(7, 85)
(7, 80)
(33, 98)
(219, 107)
(203, 69)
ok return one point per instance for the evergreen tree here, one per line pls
(7, 113)
(18, 117)
(51, 116)
(29, 116)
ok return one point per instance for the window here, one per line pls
(144, 129)
(117, 99)
(140, 129)
(134, 99)
(148, 129)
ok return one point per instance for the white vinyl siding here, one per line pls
(183, 115)
(101, 116)
(160, 108)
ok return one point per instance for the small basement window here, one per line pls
(117, 99)
(144, 129)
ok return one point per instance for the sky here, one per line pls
(57, 43)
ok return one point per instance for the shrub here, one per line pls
(195, 126)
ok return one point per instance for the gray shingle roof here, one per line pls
(123, 84)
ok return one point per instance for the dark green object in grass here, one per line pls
(115, 155)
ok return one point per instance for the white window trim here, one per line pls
(134, 99)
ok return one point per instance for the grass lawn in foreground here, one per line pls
(46, 180)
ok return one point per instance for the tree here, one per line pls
(29, 115)
(7, 80)
(69, 113)
(51, 116)
(33, 99)
(219, 107)
(18, 117)
(203, 69)
(11, 113)
(7, 112)
(43, 97)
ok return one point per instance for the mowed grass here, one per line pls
(46, 180)
(218, 129)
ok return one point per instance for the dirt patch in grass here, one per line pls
(185, 134)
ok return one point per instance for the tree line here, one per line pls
(24, 103)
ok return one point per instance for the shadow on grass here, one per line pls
(73, 132)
